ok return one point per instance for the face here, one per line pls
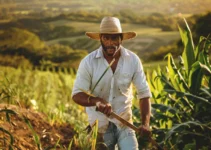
(110, 43)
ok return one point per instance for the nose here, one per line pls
(110, 41)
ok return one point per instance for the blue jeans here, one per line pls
(125, 138)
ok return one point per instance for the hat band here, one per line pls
(109, 29)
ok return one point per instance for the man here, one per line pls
(113, 92)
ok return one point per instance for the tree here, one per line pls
(202, 26)
(15, 38)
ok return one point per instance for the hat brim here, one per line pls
(96, 35)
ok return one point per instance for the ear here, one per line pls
(121, 36)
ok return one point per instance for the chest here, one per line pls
(115, 81)
(121, 71)
(114, 65)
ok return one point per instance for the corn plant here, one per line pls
(35, 135)
(182, 97)
(45, 91)
(8, 112)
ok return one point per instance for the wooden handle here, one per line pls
(135, 129)
(124, 121)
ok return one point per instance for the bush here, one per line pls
(181, 111)
(182, 97)
(15, 61)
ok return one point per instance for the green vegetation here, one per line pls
(65, 43)
(53, 7)
(201, 26)
(44, 91)
(50, 93)
(27, 50)
(37, 41)
(182, 97)
(46, 52)
(7, 112)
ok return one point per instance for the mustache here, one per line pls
(111, 47)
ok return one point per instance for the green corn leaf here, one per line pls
(151, 83)
(164, 108)
(205, 93)
(172, 72)
(188, 52)
(193, 133)
(163, 118)
(176, 104)
(155, 84)
(175, 76)
(166, 83)
(188, 95)
(195, 78)
(8, 112)
(35, 135)
(180, 128)
(203, 54)
(157, 81)
(198, 98)
(94, 136)
(8, 117)
(70, 144)
(200, 47)
(153, 76)
(169, 124)
(11, 137)
(181, 99)
(57, 143)
(187, 104)
(90, 93)
(203, 48)
(206, 70)
(102, 75)
(201, 58)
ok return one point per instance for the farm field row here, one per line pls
(148, 39)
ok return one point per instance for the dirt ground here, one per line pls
(23, 136)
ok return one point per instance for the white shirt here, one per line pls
(113, 87)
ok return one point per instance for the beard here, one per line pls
(106, 48)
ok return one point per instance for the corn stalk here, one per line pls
(182, 97)
(8, 112)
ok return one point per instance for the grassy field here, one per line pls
(148, 39)
(139, 6)
(150, 66)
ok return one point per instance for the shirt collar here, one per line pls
(99, 54)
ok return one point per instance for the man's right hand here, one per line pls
(144, 131)
(104, 107)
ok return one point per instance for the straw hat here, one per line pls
(110, 25)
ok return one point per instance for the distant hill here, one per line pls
(138, 6)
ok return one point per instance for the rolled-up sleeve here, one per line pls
(140, 82)
(83, 78)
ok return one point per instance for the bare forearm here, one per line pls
(145, 108)
(84, 99)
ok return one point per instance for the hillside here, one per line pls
(139, 6)
(24, 136)
(148, 38)
(60, 25)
